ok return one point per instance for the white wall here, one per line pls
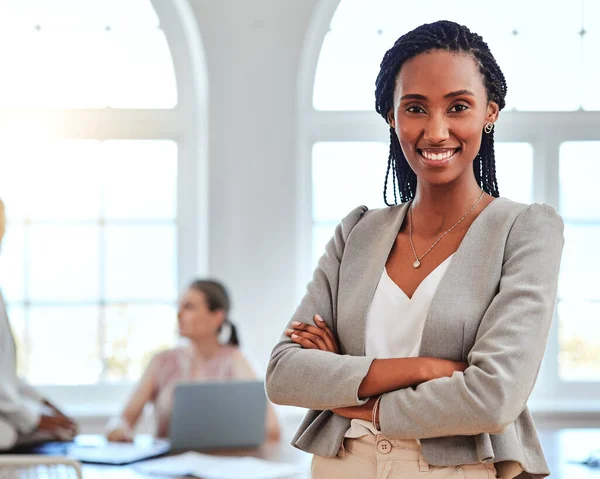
(253, 50)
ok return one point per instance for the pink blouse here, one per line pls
(169, 367)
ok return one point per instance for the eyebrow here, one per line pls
(416, 96)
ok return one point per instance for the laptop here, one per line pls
(218, 415)
(206, 416)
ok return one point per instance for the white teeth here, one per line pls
(438, 156)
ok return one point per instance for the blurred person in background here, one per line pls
(25, 416)
(203, 314)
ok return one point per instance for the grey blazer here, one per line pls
(493, 309)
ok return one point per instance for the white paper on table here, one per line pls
(180, 465)
(216, 467)
(246, 468)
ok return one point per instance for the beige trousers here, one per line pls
(376, 457)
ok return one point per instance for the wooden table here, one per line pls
(560, 446)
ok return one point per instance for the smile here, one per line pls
(438, 154)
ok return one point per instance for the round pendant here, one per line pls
(416, 264)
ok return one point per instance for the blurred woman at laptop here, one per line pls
(203, 315)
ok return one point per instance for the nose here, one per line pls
(436, 129)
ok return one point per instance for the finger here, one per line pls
(309, 328)
(305, 343)
(329, 337)
(324, 333)
(49, 422)
(72, 426)
(302, 334)
(61, 419)
(321, 324)
(63, 422)
(71, 423)
(317, 340)
(55, 427)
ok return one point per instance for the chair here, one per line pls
(38, 467)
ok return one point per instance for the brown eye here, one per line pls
(415, 109)
(458, 108)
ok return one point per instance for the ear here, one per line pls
(219, 317)
(391, 120)
(493, 110)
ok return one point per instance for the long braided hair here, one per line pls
(441, 35)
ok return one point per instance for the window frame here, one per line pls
(185, 124)
(545, 131)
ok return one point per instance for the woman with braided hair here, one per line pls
(420, 336)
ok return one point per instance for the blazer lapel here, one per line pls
(365, 255)
(452, 308)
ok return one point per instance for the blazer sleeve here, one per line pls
(507, 353)
(311, 378)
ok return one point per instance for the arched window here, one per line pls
(546, 139)
(97, 158)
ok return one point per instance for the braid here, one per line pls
(478, 167)
(390, 165)
(492, 183)
(407, 180)
(449, 36)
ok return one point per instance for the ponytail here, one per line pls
(217, 299)
(233, 335)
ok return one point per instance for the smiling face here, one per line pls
(440, 109)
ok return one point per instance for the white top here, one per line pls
(395, 325)
(20, 405)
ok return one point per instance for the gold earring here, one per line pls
(488, 127)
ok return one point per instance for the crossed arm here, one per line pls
(502, 364)
(384, 375)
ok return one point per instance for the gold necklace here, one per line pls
(417, 262)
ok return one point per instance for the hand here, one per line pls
(58, 413)
(119, 435)
(60, 427)
(441, 368)
(55, 410)
(357, 412)
(314, 337)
